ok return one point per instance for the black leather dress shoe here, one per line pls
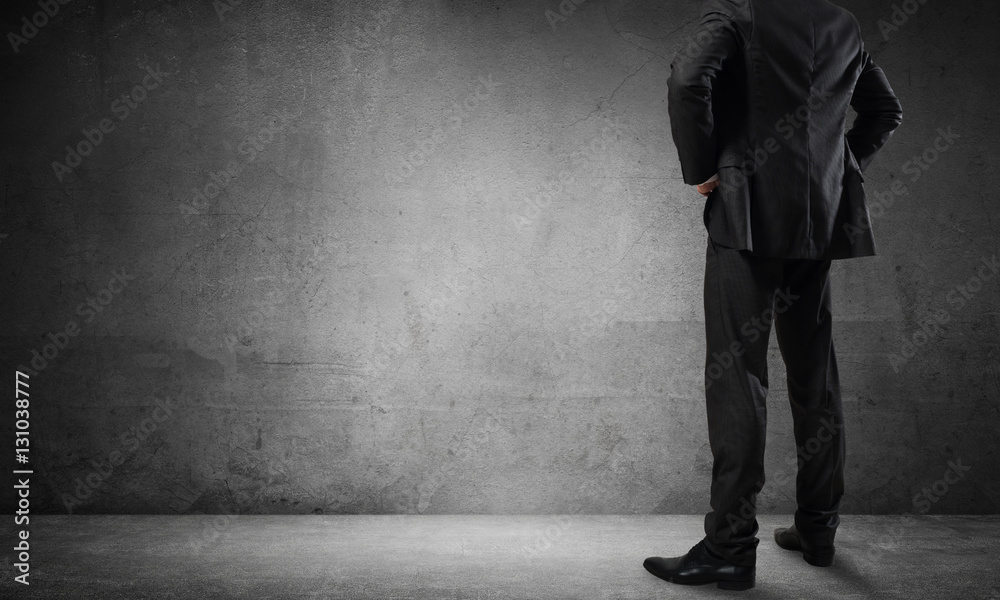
(790, 539)
(699, 567)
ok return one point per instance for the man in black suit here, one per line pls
(758, 104)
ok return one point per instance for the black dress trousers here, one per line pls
(743, 296)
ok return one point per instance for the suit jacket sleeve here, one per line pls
(719, 36)
(879, 112)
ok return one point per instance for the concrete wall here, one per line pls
(437, 257)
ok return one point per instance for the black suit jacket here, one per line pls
(759, 95)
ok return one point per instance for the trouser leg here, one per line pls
(805, 337)
(738, 297)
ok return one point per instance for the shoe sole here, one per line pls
(735, 585)
(814, 560)
(818, 561)
(725, 585)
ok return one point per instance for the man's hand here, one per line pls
(706, 188)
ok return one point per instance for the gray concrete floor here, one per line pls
(480, 557)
